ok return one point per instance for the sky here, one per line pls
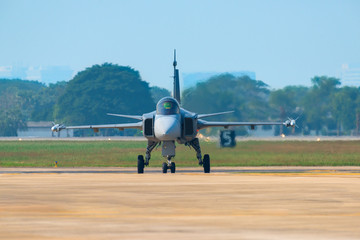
(284, 42)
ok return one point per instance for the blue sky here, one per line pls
(283, 42)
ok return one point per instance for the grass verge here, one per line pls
(124, 154)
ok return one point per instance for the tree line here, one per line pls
(85, 99)
(326, 107)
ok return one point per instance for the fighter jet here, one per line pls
(171, 123)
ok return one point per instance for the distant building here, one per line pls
(5, 72)
(42, 129)
(259, 131)
(45, 74)
(191, 79)
(19, 72)
(350, 76)
(32, 73)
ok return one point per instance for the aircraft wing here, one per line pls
(205, 124)
(96, 128)
(213, 114)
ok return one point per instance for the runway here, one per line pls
(287, 169)
(308, 203)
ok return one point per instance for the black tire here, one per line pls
(140, 164)
(206, 163)
(173, 167)
(164, 167)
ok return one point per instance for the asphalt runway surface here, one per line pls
(230, 203)
(340, 169)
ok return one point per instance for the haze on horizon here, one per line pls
(283, 42)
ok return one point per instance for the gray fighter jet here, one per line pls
(170, 123)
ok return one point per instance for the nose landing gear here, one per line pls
(169, 165)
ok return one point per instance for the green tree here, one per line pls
(16, 104)
(247, 97)
(103, 89)
(45, 101)
(19, 85)
(11, 117)
(288, 102)
(158, 93)
(225, 92)
(345, 106)
(317, 103)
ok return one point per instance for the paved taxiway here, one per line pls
(311, 204)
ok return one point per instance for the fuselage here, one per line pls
(169, 122)
(167, 127)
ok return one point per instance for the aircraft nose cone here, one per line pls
(167, 128)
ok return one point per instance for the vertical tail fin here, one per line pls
(176, 92)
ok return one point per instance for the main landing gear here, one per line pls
(169, 152)
(140, 164)
(172, 166)
(206, 163)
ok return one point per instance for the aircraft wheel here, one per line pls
(140, 164)
(206, 164)
(164, 167)
(173, 167)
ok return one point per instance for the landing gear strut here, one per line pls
(141, 163)
(204, 162)
(196, 146)
(151, 145)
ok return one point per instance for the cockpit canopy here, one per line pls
(167, 106)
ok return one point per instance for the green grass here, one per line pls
(124, 154)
